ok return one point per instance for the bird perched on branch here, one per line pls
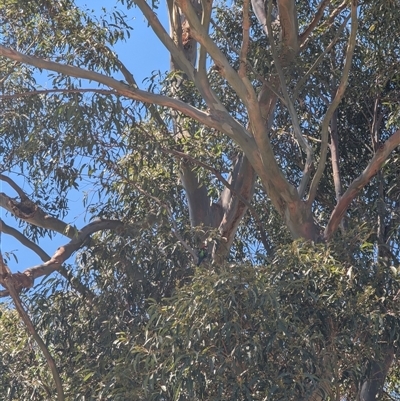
(203, 253)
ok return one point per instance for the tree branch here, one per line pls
(218, 119)
(228, 185)
(75, 283)
(8, 281)
(14, 186)
(289, 27)
(222, 63)
(205, 22)
(4, 228)
(46, 91)
(165, 39)
(27, 278)
(317, 17)
(28, 211)
(335, 103)
(304, 145)
(328, 21)
(359, 183)
(319, 59)
(246, 40)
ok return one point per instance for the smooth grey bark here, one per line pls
(371, 388)
(226, 214)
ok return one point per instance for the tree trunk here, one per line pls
(371, 388)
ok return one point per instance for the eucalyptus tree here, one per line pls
(277, 121)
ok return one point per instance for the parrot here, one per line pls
(203, 253)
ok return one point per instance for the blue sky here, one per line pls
(142, 53)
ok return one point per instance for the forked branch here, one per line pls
(27, 278)
(359, 183)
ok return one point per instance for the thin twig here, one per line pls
(47, 91)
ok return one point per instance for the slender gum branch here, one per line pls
(328, 21)
(14, 186)
(165, 38)
(75, 283)
(201, 36)
(218, 119)
(47, 91)
(9, 283)
(335, 103)
(319, 59)
(65, 251)
(359, 183)
(305, 146)
(246, 39)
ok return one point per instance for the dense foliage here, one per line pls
(242, 210)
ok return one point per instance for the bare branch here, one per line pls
(30, 212)
(328, 22)
(165, 39)
(205, 22)
(246, 39)
(248, 65)
(8, 280)
(242, 181)
(305, 146)
(14, 186)
(289, 27)
(359, 183)
(334, 146)
(4, 228)
(319, 59)
(228, 185)
(75, 283)
(27, 278)
(335, 103)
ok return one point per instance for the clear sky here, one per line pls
(142, 53)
